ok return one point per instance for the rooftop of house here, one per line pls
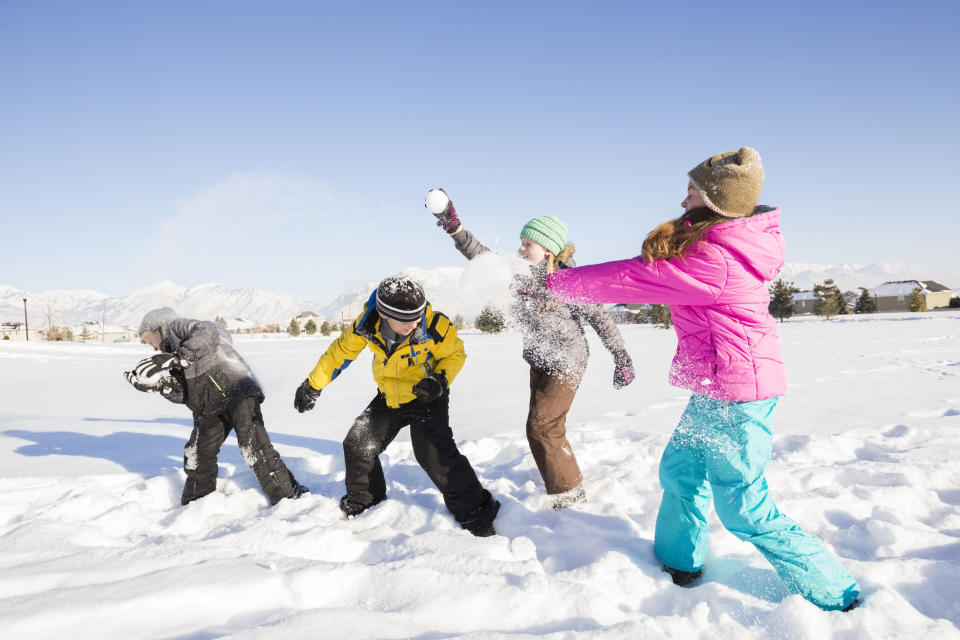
(906, 287)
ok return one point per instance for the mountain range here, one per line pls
(452, 289)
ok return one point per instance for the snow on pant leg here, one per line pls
(682, 531)
(550, 400)
(371, 433)
(200, 456)
(247, 421)
(735, 467)
(436, 451)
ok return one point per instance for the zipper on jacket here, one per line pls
(219, 388)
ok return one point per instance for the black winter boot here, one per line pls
(299, 490)
(479, 522)
(352, 509)
(683, 578)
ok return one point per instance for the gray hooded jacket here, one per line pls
(553, 337)
(217, 374)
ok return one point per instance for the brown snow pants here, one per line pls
(550, 400)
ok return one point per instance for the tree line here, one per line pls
(829, 300)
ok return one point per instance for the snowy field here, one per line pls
(96, 545)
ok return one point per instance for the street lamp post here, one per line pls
(26, 327)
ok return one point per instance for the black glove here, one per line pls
(623, 373)
(305, 397)
(430, 388)
(158, 363)
(172, 389)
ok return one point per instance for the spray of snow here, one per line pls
(486, 280)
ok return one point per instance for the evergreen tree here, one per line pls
(955, 302)
(842, 307)
(490, 320)
(85, 333)
(917, 301)
(829, 299)
(659, 315)
(865, 303)
(781, 299)
(458, 322)
(310, 327)
(326, 328)
(293, 328)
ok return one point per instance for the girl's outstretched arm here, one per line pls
(697, 279)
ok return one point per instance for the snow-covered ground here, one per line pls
(96, 545)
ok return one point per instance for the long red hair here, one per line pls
(675, 238)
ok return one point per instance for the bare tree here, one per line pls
(50, 307)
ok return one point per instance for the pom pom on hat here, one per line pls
(547, 231)
(730, 182)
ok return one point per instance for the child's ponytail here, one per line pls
(552, 261)
(565, 254)
(673, 238)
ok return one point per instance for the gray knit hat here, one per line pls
(401, 297)
(157, 320)
(730, 182)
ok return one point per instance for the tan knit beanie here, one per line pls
(730, 182)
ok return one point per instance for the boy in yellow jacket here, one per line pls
(416, 356)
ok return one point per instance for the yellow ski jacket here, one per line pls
(433, 347)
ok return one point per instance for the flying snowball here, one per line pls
(437, 201)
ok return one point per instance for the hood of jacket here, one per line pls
(158, 320)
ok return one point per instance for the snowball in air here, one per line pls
(437, 201)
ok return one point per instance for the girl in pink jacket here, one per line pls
(711, 266)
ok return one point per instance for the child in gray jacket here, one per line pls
(554, 344)
(197, 366)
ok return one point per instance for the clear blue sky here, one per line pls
(288, 146)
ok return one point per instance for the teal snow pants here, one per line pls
(720, 449)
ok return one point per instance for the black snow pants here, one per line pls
(433, 446)
(209, 431)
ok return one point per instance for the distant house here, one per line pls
(304, 317)
(803, 302)
(15, 331)
(850, 297)
(895, 296)
(239, 325)
(627, 313)
(100, 333)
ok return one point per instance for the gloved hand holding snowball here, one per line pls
(440, 205)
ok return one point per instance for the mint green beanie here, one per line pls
(548, 231)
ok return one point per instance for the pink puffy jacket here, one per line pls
(728, 346)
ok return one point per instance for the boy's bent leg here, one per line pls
(550, 400)
(437, 452)
(746, 509)
(681, 534)
(275, 479)
(200, 456)
(371, 433)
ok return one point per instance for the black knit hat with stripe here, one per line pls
(401, 297)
